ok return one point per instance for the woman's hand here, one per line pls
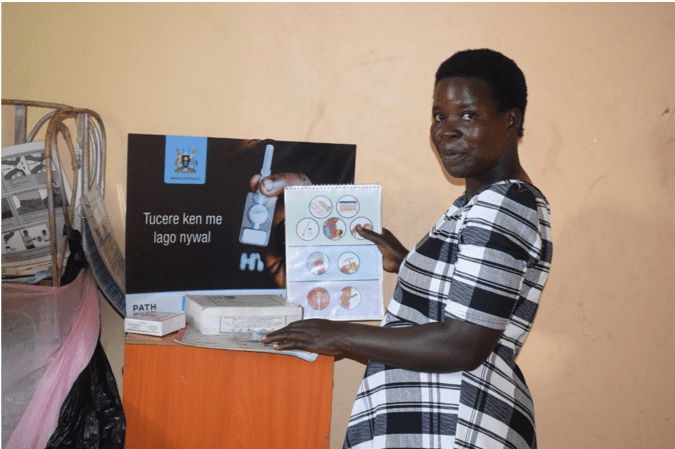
(313, 335)
(392, 250)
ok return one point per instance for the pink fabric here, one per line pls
(48, 337)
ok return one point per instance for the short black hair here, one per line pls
(501, 73)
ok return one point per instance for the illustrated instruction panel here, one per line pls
(332, 272)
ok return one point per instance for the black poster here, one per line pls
(186, 201)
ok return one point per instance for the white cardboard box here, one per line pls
(154, 323)
(219, 314)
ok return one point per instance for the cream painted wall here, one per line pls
(599, 141)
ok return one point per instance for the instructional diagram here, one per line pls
(333, 272)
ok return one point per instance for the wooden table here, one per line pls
(184, 397)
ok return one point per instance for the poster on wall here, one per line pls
(193, 223)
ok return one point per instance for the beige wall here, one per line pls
(599, 141)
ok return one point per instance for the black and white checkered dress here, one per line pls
(485, 262)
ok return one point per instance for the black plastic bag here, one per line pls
(76, 260)
(92, 416)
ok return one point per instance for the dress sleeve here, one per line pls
(499, 240)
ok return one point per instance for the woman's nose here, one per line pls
(450, 131)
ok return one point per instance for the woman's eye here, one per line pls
(468, 116)
(438, 117)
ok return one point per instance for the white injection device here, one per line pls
(259, 209)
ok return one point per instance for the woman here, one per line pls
(442, 369)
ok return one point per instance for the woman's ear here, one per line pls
(514, 118)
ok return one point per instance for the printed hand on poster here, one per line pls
(273, 186)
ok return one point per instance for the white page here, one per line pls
(331, 271)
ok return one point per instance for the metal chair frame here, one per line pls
(87, 156)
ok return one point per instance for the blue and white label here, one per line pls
(185, 160)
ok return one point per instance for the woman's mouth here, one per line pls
(452, 156)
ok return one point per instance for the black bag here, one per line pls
(91, 416)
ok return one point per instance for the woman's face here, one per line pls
(470, 136)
